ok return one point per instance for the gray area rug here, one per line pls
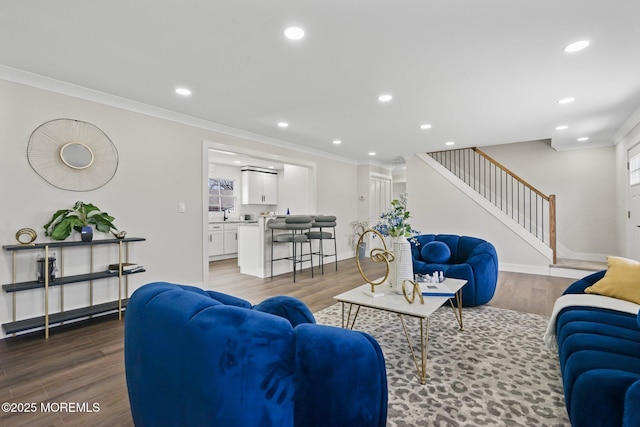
(496, 372)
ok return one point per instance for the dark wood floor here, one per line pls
(84, 365)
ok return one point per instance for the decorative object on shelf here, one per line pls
(119, 234)
(394, 223)
(30, 234)
(72, 155)
(81, 215)
(86, 233)
(41, 268)
(376, 255)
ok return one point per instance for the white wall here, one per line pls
(161, 164)
(293, 194)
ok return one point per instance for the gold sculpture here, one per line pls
(416, 291)
(377, 255)
(386, 256)
(29, 233)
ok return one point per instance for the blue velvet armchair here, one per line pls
(459, 257)
(196, 358)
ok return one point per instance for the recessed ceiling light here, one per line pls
(449, 143)
(566, 100)
(562, 127)
(283, 124)
(271, 167)
(294, 33)
(372, 153)
(337, 142)
(576, 46)
(425, 126)
(183, 91)
(237, 161)
(582, 139)
(385, 98)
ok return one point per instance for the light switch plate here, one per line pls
(181, 207)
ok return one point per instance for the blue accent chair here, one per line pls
(599, 354)
(459, 257)
(203, 358)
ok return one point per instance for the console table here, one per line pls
(63, 315)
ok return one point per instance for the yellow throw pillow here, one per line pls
(622, 280)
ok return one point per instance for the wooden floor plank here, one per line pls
(85, 363)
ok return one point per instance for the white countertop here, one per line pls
(235, 221)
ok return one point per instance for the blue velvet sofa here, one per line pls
(203, 358)
(599, 354)
(459, 257)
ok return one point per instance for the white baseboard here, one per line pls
(526, 269)
(571, 273)
(564, 252)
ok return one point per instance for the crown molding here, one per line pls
(57, 86)
(627, 126)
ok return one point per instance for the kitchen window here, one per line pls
(222, 195)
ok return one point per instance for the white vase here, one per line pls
(401, 268)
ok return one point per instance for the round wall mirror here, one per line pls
(76, 155)
(72, 155)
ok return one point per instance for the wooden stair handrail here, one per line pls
(551, 199)
(509, 172)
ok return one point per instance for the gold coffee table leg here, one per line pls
(347, 323)
(421, 367)
(457, 311)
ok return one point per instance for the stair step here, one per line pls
(577, 264)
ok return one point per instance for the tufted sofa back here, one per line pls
(195, 357)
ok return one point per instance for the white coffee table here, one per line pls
(396, 303)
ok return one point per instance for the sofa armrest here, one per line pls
(631, 415)
(290, 308)
(341, 378)
(579, 286)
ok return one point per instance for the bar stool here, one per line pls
(295, 224)
(324, 222)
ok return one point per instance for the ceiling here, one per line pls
(479, 72)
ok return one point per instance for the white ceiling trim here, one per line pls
(45, 83)
(627, 126)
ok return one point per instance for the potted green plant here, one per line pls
(79, 218)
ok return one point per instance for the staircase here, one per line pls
(577, 269)
(530, 211)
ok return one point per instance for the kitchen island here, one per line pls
(254, 249)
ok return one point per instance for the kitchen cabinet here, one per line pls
(259, 187)
(250, 249)
(230, 245)
(216, 241)
(223, 238)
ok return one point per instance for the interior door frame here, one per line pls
(632, 225)
(211, 145)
